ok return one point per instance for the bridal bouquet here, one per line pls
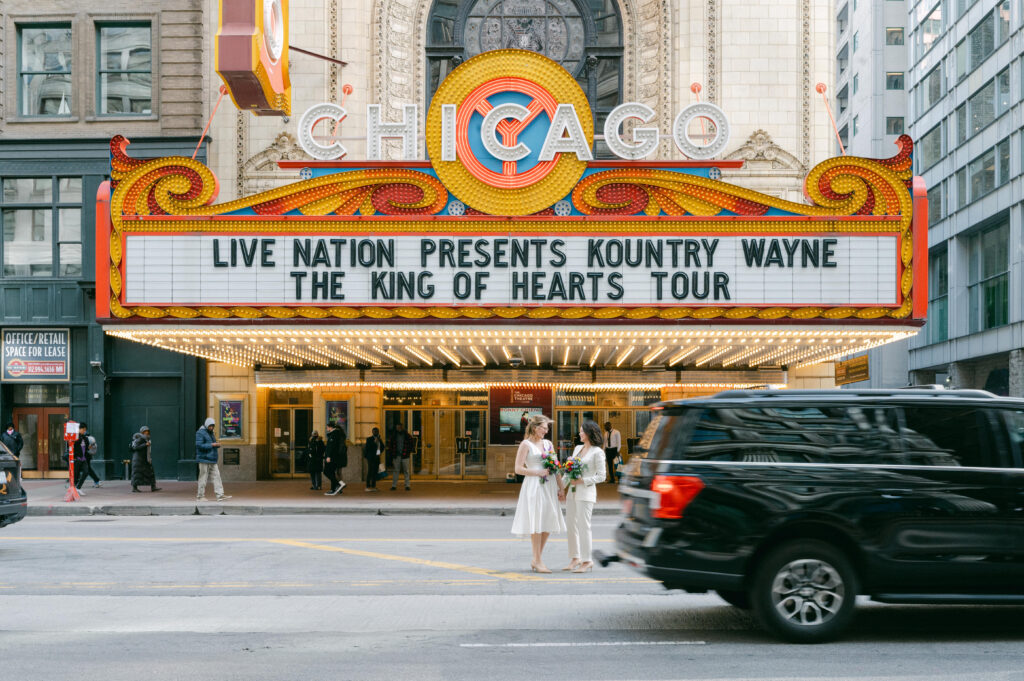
(572, 469)
(549, 461)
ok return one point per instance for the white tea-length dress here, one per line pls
(538, 509)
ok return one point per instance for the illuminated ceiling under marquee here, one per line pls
(166, 253)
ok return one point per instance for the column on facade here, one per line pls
(960, 375)
(1016, 373)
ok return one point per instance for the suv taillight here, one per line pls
(676, 491)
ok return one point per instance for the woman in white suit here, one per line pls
(580, 495)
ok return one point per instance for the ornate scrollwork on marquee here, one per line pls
(838, 187)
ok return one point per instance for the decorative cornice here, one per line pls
(760, 147)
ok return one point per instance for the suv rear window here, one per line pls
(1016, 419)
(795, 434)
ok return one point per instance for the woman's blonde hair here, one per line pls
(535, 422)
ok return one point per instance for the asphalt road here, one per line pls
(418, 598)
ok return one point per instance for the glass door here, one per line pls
(290, 428)
(569, 429)
(448, 444)
(42, 430)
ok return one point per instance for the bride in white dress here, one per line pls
(537, 513)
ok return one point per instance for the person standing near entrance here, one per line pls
(335, 458)
(580, 495)
(12, 439)
(142, 461)
(206, 455)
(612, 443)
(316, 450)
(372, 450)
(400, 453)
(85, 448)
(537, 511)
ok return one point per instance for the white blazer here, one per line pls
(594, 472)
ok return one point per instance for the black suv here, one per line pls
(793, 502)
(13, 498)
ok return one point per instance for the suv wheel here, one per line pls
(737, 599)
(805, 591)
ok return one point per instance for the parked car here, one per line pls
(793, 502)
(13, 498)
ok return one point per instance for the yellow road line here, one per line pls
(497, 574)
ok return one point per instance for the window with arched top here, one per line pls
(584, 36)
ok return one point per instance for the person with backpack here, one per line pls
(85, 449)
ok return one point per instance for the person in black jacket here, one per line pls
(372, 450)
(336, 458)
(316, 450)
(12, 439)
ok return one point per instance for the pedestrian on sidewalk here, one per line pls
(12, 438)
(85, 448)
(142, 461)
(372, 450)
(206, 455)
(336, 457)
(316, 449)
(612, 444)
(400, 452)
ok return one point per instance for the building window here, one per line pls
(961, 7)
(984, 38)
(934, 204)
(930, 30)
(856, 41)
(938, 297)
(930, 147)
(42, 226)
(988, 287)
(856, 83)
(982, 173)
(1003, 92)
(125, 69)
(44, 70)
(894, 36)
(894, 125)
(854, 127)
(584, 37)
(963, 59)
(982, 107)
(962, 195)
(930, 90)
(843, 138)
(894, 80)
(1003, 162)
(961, 123)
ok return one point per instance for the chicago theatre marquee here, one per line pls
(511, 272)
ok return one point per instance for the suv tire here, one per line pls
(737, 599)
(805, 591)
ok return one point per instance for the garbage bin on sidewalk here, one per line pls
(188, 469)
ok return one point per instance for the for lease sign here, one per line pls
(36, 355)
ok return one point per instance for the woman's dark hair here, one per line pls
(593, 433)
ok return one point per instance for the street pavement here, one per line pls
(288, 497)
(419, 597)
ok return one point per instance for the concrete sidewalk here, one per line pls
(288, 497)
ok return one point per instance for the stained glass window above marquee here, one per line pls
(584, 36)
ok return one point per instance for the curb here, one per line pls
(69, 510)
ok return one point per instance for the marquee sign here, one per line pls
(512, 218)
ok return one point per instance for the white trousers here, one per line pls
(577, 520)
(209, 470)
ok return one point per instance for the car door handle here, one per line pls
(894, 493)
